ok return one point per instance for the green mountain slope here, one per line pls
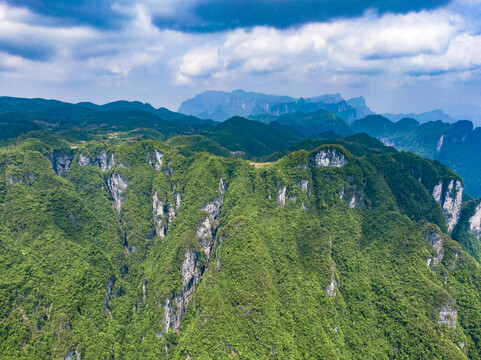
(252, 138)
(314, 123)
(153, 250)
(455, 145)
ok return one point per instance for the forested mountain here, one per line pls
(126, 235)
(456, 145)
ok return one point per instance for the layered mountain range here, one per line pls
(133, 232)
(220, 106)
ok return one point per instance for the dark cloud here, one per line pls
(27, 50)
(218, 15)
(97, 13)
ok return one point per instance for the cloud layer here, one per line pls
(393, 52)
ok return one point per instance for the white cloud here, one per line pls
(370, 44)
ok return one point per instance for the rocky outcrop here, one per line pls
(304, 184)
(435, 239)
(387, 141)
(102, 160)
(475, 222)
(156, 162)
(448, 315)
(329, 158)
(117, 186)
(158, 210)
(440, 143)
(207, 230)
(331, 290)
(60, 163)
(164, 214)
(191, 277)
(73, 355)
(281, 195)
(190, 271)
(451, 202)
(437, 191)
(204, 233)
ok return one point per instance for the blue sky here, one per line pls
(402, 56)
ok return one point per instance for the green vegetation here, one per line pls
(298, 261)
(128, 236)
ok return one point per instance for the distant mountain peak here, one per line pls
(221, 105)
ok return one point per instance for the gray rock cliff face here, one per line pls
(156, 162)
(158, 210)
(117, 186)
(329, 158)
(190, 271)
(163, 213)
(207, 230)
(102, 160)
(451, 202)
(435, 240)
(331, 290)
(475, 222)
(73, 355)
(191, 277)
(60, 163)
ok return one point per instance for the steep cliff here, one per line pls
(138, 251)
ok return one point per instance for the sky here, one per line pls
(402, 56)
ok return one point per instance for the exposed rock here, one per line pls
(452, 204)
(387, 141)
(117, 186)
(102, 160)
(448, 315)
(144, 291)
(331, 289)
(83, 160)
(440, 143)
(190, 279)
(61, 163)
(292, 198)
(304, 185)
(158, 210)
(435, 240)
(281, 195)
(158, 159)
(341, 193)
(475, 222)
(105, 162)
(14, 179)
(169, 171)
(156, 163)
(329, 158)
(437, 191)
(204, 232)
(73, 355)
(353, 202)
(178, 199)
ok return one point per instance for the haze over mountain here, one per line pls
(220, 105)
